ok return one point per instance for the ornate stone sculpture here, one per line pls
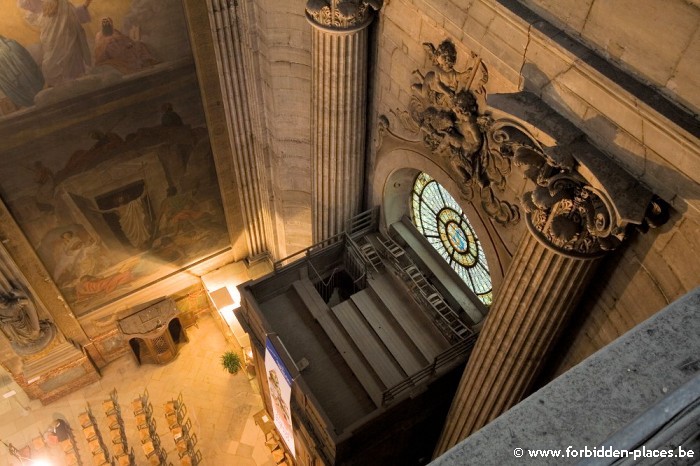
(20, 322)
(342, 13)
(582, 203)
(444, 109)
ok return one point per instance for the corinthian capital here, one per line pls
(342, 14)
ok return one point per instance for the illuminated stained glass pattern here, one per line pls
(438, 216)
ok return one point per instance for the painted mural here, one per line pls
(52, 50)
(107, 168)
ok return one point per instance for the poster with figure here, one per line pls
(279, 381)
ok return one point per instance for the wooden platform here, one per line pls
(379, 358)
(389, 331)
(380, 332)
(417, 326)
(342, 341)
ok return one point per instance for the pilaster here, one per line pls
(239, 91)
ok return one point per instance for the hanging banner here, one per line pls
(279, 381)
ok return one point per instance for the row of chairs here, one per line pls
(92, 435)
(146, 425)
(181, 429)
(123, 456)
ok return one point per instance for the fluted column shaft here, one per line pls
(239, 90)
(338, 89)
(539, 292)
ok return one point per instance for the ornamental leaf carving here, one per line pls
(342, 14)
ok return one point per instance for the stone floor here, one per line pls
(220, 405)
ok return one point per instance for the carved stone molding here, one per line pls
(581, 204)
(342, 14)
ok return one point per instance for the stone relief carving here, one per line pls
(571, 213)
(20, 323)
(342, 14)
(444, 110)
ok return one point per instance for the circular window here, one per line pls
(439, 218)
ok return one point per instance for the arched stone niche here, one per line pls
(392, 183)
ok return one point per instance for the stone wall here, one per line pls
(658, 41)
(653, 140)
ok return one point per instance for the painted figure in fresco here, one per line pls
(91, 286)
(119, 51)
(133, 219)
(45, 186)
(63, 40)
(83, 159)
(19, 320)
(20, 76)
(170, 118)
(77, 258)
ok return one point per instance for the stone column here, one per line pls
(572, 225)
(539, 292)
(338, 110)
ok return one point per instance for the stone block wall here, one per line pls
(657, 41)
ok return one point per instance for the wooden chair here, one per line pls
(144, 395)
(95, 446)
(152, 426)
(89, 432)
(119, 448)
(187, 427)
(126, 459)
(149, 448)
(145, 435)
(114, 422)
(141, 421)
(38, 443)
(85, 419)
(123, 460)
(110, 407)
(66, 445)
(181, 413)
(196, 458)
(100, 458)
(137, 406)
(172, 420)
(174, 405)
(170, 407)
(191, 441)
(116, 436)
(71, 458)
(182, 449)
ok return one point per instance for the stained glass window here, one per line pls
(438, 216)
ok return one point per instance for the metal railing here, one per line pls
(363, 223)
(424, 294)
(357, 270)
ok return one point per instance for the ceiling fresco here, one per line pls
(106, 163)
